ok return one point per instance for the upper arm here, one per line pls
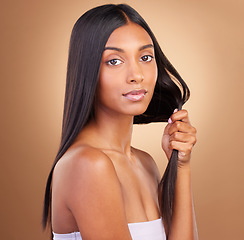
(94, 197)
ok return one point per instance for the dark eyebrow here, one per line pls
(114, 48)
(121, 50)
(146, 46)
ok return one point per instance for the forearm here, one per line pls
(182, 226)
(179, 134)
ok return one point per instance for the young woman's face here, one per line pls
(128, 71)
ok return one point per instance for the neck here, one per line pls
(110, 132)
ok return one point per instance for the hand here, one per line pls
(179, 135)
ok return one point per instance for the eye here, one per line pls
(146, 58)
(114, 62)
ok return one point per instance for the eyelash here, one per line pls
(110, 62)
(149, 59)
(148, 56)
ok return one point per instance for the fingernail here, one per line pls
(169, 121)
(176, 110)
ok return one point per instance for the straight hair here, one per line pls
(88, 39)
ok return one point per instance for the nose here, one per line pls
(135, 74)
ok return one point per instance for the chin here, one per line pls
(139, 110)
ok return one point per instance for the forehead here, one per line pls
(129, 35)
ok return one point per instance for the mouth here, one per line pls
(135, 95)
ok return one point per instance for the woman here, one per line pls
(99, 186)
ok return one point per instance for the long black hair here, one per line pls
(88, 39)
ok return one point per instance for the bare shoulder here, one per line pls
(92, 193)
(81, 167)
(148, 162)
(83, 155)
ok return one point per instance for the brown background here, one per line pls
(203, 39)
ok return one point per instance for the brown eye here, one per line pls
(147, 58)
(114, 62)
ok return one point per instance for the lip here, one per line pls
(135, 95)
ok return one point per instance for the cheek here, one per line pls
(155, 74)
(152, 74)
(105, 79)
(107, 86)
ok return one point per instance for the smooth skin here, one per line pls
(102, 183)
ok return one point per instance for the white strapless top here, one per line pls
(153, 230)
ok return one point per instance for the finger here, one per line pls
(181, 115)
(184, 148)
(179, 126)
(166, 129)
(183, 137)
